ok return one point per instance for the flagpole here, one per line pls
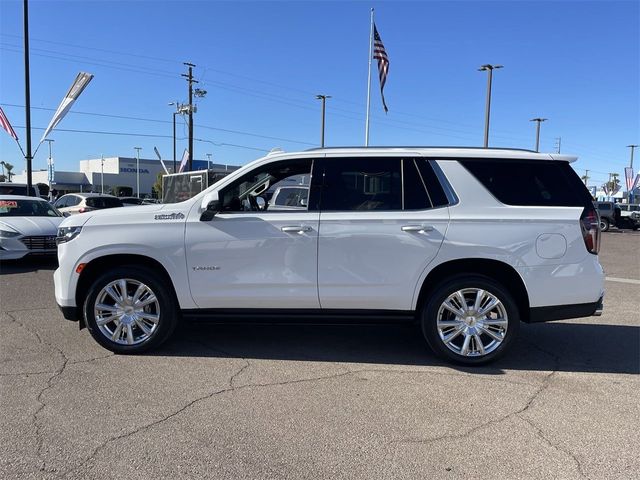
(366, 125)
(27, 95)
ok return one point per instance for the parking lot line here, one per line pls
(623, 280)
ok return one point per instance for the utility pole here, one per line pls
(27, 96)
(137, 149)
(558, 144)
(538, 122)
(586, 177)
(178, 107)
(487, 111)
(49, 165)
(190, 81)
(324, 100)
(630, 192)
(208, 160)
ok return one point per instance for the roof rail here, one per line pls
(423, 146)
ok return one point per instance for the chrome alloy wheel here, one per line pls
(472, 322)
(127, 311)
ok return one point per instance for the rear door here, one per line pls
(382, 221)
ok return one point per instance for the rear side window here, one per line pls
(362, 184)
(531, 183)
(103, 202)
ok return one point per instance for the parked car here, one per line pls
(131, 201)
(12, 188)
(466, 242)
(28, 225)
(609, 215)
(629, 216)
(289, 198)
(73, 203)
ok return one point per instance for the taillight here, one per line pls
(590, 225)
(82, 210)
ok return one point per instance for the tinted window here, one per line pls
(432, 184)
(10, 189)
(362, 184)
(291, 197)
(415, 191)
(521, 182)
(103, 202)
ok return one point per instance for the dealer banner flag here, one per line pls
(628, 174)
(82, 80)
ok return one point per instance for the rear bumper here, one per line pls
(563, 312)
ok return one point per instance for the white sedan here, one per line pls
(28, 225)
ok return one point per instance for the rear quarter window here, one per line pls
(530, 183)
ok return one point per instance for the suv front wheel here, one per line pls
(129, 310)
(470, 319)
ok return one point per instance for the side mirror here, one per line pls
(210, 206)
(207, 199)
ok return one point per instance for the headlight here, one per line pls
(66, 234)
(6, 233)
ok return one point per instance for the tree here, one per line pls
(157, 187)
(8, 167)
(613, 185)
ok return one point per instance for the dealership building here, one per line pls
(101, 174)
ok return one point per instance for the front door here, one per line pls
(254, 254)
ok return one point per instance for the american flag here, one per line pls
(380, 54)
(4, 122)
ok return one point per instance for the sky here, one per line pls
(575, 63)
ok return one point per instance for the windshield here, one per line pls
(27, 208)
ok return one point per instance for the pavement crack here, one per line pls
(540, 434)
(196, 401)
(35, 420)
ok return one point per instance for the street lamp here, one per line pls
(137, 149)
(488, 68)
(101, 174)
(630, 192)
(324, 100)
(49, 166)
(538, 122)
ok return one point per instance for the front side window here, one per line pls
(278, 186)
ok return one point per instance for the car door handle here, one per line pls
(296, 229)
(417, 228)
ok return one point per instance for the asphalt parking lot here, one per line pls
(230, 401)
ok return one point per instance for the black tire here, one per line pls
(433, 308)
(605, 224)
(164, 307)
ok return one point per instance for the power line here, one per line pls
(147, 135)
(141, 119)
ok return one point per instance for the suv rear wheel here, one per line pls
(604, 224)
(470, 319)
(129, 310)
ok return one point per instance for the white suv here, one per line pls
(466, 242)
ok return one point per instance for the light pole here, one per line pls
(324, 100)
(137, 149)
(489, 68)
(630, 192)
(208, 160)
(102, 174)
(49, 166)
(538, 122)
(178, 107)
